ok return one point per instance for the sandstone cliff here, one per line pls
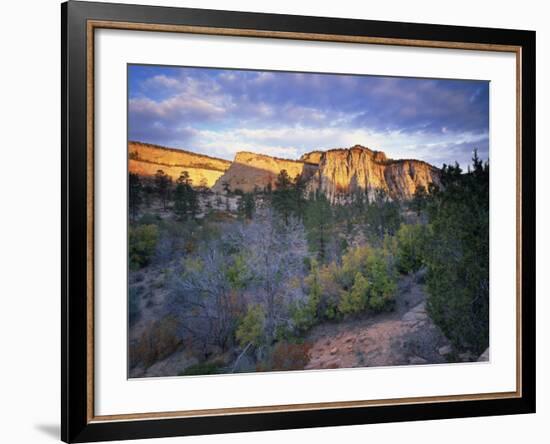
(145, 160)
(252, 171)
(338, 173)
(343, 172)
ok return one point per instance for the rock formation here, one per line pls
(343, 172)
(338, 173)
(252, 171)
(146, 160)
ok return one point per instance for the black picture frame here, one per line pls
(76, 423)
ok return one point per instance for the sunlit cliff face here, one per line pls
(146, 160)
(343, 172)
(338, 173)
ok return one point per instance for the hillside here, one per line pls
(250, 171)
(338, 173)
(146, 160)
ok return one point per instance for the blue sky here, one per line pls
(222, 111)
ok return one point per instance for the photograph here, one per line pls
(284, 221)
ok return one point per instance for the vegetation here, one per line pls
(142, 243)
(185, 197)
(243, 276)
(458, 256)
(411, 247)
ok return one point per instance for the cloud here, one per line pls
(219, 112)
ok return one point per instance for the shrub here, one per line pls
(251, 327)
(353, 262)
(458, 257)
(289, 356)
(382, 282)
(203, 368)
(158, 340)
(142, 243)
(411, 241)
(133, 305)
(356, 300)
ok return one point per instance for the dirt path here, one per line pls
(403, 337)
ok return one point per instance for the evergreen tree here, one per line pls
(282, 196)
(458, 256)
(318, 222)
(419, 200)
(383, 216)
(246, 206)
(162, 186)
(288, 197)
(135, 194)
(185, 197)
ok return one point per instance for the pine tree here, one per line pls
(135, 197)
(281, 199)
(185, 197)
(162, 186)
(318, 221)
(458, 255)
(246, 206)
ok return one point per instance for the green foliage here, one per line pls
(318, 220)
(356, 300)
(308, 314)
(364, 281)
(251, 328)
(383, 216)
(411, 245)
(287, 199)
(353, 261)
(133, 305)
(458, 256)
(202, 368)
(419, 201)
(162, 186)
(142, 243)
(246, 206)
(237, 272)
(135, 194)
(186, 202)
(382, 280)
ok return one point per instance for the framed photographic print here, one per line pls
(276, 221)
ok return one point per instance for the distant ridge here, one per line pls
(339, 173)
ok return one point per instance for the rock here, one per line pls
(413, 316)
(417, 360)
(145, 160)
(334, 363)
(349, 339)
(334, 351)
(484, 356)
(249, 171)
(445, 350)
(466, 357)
(338, 173)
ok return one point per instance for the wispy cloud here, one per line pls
(220, 112)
